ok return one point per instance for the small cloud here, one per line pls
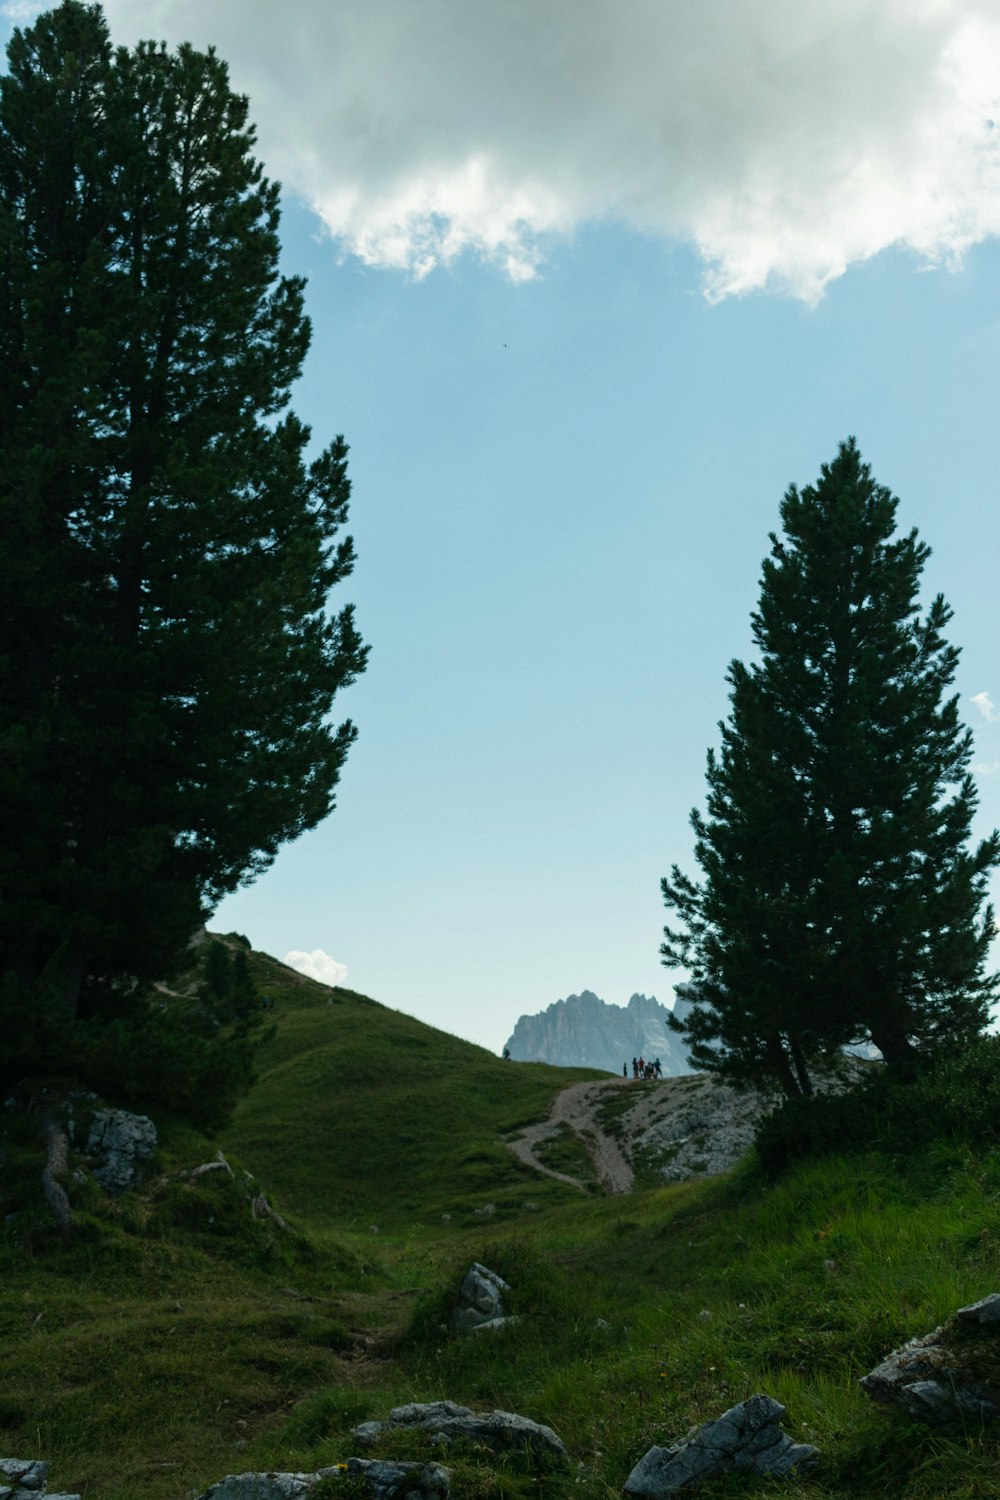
(983, 770)
(986, 706)
(317, 965)
(19, 11)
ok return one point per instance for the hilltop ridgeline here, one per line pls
(584, 1031)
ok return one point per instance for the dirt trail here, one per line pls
(577, 1107)
(697, 1125)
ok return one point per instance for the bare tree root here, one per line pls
(56, 1166)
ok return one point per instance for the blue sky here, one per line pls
(587, 296)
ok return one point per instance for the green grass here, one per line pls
(362, 1115)
(565, 1152)
(176, 1339)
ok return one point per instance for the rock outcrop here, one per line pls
(382, 1480)
(746, 1439)
(260, 1486)
(481, 1303)
(444, 1421)
(27, 1479)
(583, 1031)
(950, 1375)
(123, 1140)
(386, 1480)
(702, 1129)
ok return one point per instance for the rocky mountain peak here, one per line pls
(584, 1031)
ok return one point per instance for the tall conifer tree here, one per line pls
(167, 658)
(839, 901)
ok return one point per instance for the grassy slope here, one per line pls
(177, 1341)
(363, 1115)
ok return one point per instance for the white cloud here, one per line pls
(317, 965)
(986, 706)
(981, 769)
(21, 12)
(786, 140)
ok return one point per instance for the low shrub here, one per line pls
(953, 1098)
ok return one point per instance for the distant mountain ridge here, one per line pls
(584, 1031)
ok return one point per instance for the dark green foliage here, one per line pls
(954, 1099)
(167, 659)
(188, 1051)
(160, 1055)
(218, 982)
(229, 987)
(155, 1058)
(839, 901)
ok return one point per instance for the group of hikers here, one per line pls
(643, 1069)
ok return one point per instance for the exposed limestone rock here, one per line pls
(382, 1480)
(261, 1209)
(982, 1313)
(583, 1031)
(217, 1164)
(705, 1127)
(123, 1140)
(499, 1431)
(480, 1299)
(951, 1374)
(393, 1481)
(261, 1487)
(746, 1439)
(699, 1126)
(27, 1479)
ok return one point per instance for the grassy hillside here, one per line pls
(363, 1115)
(175, 1338)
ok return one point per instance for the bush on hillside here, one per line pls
(228, 987)
(148, 1061)
(952, 1098)
(188, 1055)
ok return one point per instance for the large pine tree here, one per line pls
(840, 901)
(168, 660)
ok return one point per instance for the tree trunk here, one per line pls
(896, 1048)
(780, 1069)
(801, 1071)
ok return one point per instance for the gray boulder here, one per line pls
(26, 1479)
(383, 1481)
(480, 1299)
(952, 1374)
(394, 1481)
(981, 1314)
(274, 1486)
(499, 1431)
(123, 1140)
(746, 1439)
